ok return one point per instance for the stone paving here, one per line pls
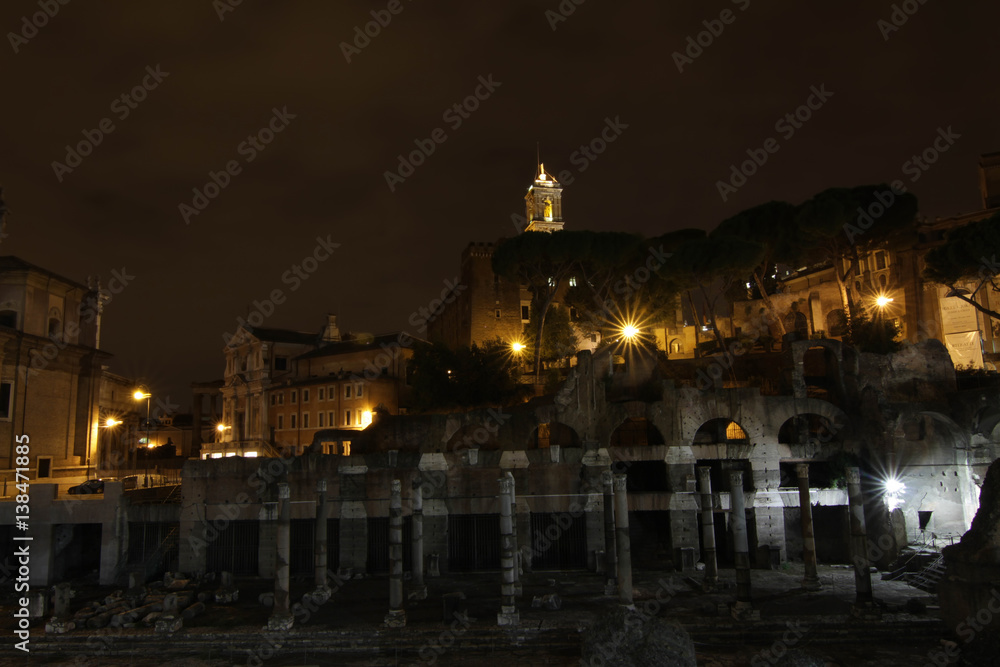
(819, 623)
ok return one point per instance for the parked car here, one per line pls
(90, 486)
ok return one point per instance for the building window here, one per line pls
(319, 419)
(5, 396)
(281, 398)
(498, 313)
(879, 260)
(552, 281)
(281, 363)
(55, 327)
(293, 421)
(347, 447)
(8, 318)
(358, 391)
(294, 397)
(347, 391)
(305, 420)
(320, 398)
(330, 393)
(281, 422)
(305, 395)
(274, 399)
(44, 467)
(357, 417)
(572, 281)
(347, 417)
(525, 312)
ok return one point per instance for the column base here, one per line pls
(417, 593)
(810, 584)
(508, 616)
(280, 623)
(744, 611)
(396, 618)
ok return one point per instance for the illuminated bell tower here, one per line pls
(544, 204)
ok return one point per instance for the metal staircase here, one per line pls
(927, 579)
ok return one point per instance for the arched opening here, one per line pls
(553, 433)
(807, 429)
(836, 323)
(55, 327)
(636, 432)
(735, 455)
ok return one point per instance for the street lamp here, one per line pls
(517, 347)
(629, 332)
(140, 395)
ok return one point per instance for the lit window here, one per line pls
(735, 432)
(357, 417)
(552, 281)
(572, 281)
(347, 448)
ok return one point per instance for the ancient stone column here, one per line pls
(281, 617)
(610, 550)
(859, 543)
(419, 588)
(396, 618)
(708, 527)
(811, 581)
(741, 551)
(508, 550)
(622, 542)
(513, 530)
(322, 586)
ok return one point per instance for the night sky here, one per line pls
(323, 175)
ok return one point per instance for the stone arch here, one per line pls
(636, 431)
(781, 411)
(553, 433)
(986, 420)
(807, 427)
(836, 322)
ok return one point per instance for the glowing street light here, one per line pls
(629, 332)
(894, 489)
(144, 395)
(111, 422)
(882, 301)
(517, 347)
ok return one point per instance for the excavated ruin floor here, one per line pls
(349, 630)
